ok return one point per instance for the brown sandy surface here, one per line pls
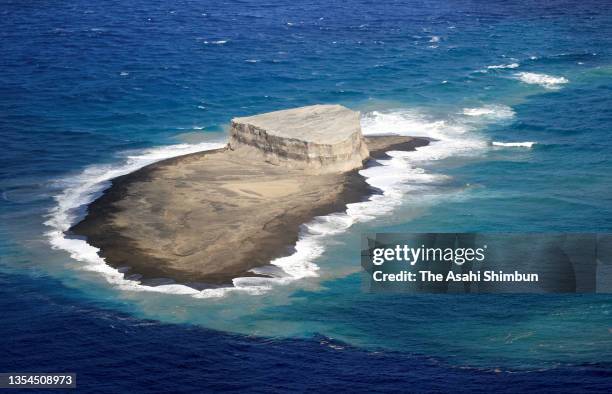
(206, 218)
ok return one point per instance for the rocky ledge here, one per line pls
(317, 138)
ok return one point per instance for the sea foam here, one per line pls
(494, 111)
(503, 66)
(526, 144)
(545, 80)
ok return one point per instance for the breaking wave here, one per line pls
(526, 144)
(503, 66)
(545, 80)
(494, 111)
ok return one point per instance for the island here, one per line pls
(205, 218)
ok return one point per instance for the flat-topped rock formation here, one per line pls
(317, 138)
(206, 218)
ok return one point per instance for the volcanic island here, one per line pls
(206, 218)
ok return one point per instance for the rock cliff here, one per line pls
(317, 138)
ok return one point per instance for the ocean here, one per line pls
(516, 95)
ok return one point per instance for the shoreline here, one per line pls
(138, 227)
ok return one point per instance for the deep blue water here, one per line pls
(113, 352)
(84, 82)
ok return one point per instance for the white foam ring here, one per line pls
(396, 177)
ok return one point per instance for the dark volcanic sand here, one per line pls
(206, 218)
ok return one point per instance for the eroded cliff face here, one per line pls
(317, 139)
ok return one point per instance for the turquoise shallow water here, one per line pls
(85, 87)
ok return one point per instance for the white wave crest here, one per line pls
(503, 66)
(451, 138)
(494, 111)
(545, 80)
(218, 42)
(526, 144)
